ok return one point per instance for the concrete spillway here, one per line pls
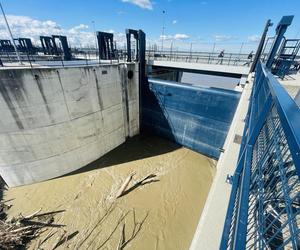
(54, 121)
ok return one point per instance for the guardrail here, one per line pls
(40, 60)
(90, 56)
(264, 206)
(235, 59)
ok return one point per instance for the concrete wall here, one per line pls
(54, 121)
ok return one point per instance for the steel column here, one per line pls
(280, 30)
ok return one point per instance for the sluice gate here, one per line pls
(195, 117)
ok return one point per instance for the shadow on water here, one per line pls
(136, 148)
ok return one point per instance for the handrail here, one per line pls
(266, 182)
(289, 114)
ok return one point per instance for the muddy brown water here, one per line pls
(162, 214)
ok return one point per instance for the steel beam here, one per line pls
(260, 46)
(280, 30)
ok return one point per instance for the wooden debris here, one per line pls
(122, 217)
(48, 236)
(3, 209)
(137, 226)
(146, 180)
(122, 239)
(31, 215)
(60, 240)
(17, 232)
(87, 234)
(124, 185)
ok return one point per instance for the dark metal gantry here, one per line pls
(107, 51)
(65, 49)
(25, 45)
(50, 47)
(135, 34)
(6, 46)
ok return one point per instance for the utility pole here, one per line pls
(191, 48)
(297, 34)
(11, 36)
(241, 48)
(240, 52)
(214, 46)
(171, 50)
(95, 35)
(163, 31)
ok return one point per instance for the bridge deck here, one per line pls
(210, 69)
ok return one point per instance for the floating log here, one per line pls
(124, 185)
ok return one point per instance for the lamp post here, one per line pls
(191, 49)
(94, 30)
(163, 31)
(297, 34)
(11, 36)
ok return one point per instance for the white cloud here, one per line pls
(174, 37)
(80, 35)
(144, 4)
(166, 37)
(181, 36)
(78, 28)
(110, 31)
(222, 38)
(174, 21)
(27, 27)
(254, 38)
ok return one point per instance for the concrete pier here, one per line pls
(56, 120)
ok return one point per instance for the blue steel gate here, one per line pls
(193, 116)
(264, 207)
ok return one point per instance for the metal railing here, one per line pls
(90, 56)
(264, 206)
(234, 59)
(82, 58)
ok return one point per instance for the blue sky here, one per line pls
(196, 21)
